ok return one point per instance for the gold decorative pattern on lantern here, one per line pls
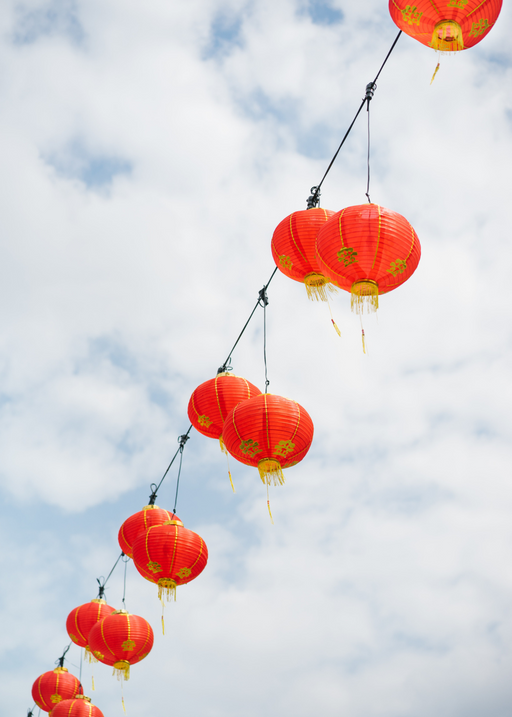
(285, 261)
(250, 447)
(411, 15)
(155, 567)
(184, 573)
(128, 645)
(204, 421)
(478, 28)
(56, 699)
(347, 255)
(283, 448)
(397, 267)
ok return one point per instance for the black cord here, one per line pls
(263, 301)
(182, 446)
(124, 589)
(60, 661)
(258, 303)
(368, 155)
(313, 199)
(101, 592)
(155, 488)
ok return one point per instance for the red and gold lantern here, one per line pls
(368, 250)
(80, 621)
(450, 26)
(269, 432)
(81, 706)
(293, 250)
(169, 555)
(121, 640)
(139, 522)
(211, 402)
(52, 687)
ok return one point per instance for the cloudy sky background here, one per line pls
(148, 152)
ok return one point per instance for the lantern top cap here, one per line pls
(174, 522)
(120, 612)
(82, 697)
(101, 601)
(150, 507)
(60, 669)
(226, 373)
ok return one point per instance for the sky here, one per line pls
(149, 150)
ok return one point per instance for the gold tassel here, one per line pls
(93, 687)
(364, 346)
(89, 656)
(317, 287)
(270, 471)
(435, 72)
(447, 37)
(231, 481)
(336, 327)
(364, 293)
(222, 446)
(122, 702)
(268, 506)
(121, 670)
(167, 587)
(163, 622)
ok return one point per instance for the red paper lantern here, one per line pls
(80, 621)
(293, 250)
(52, 687)
(169, 555)
(139, 522)
(269, 432)
(211, 402)
(449, 26)
(79, 707)
(121, 640)
(368, 250)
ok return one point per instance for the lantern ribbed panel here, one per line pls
(121, 637)
(170, 554)
(138, 523)
(293, 245)
(213, 400)
(52, 687)
(268, 427)
(419, 19)
(80, 620)
(76, 708)
(368, 242)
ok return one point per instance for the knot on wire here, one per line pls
(152, 497)
(263, 297)
(370, 91)
(314, 199)
(30, 713)
(182, 441)
(60, 661)
(225, 367)
(101, 587)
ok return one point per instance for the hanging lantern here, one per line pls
(449, 27)
(368, 250)
(52, 687)
(211, 402)
(169, 555)
(293, 250)
(139, 522)
(80, 706)
(121, 640)
(80, 621)
(269, 432)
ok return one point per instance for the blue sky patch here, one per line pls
(58, 17)
(95, 170)
(322, 13)
(225, 35)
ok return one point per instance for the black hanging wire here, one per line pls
(182, 440)
(225, 366)
(263, 301)
(60, 661)
(124, 588)
(370, 89)
(101, 591)
(314, 199)
(30, 712)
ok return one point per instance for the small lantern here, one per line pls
(80, 706)
(368, 250)
(80, 621)
(121, 640)
(269, 432)
(169, 555)
(293, 250)
(52, 687)
(211, 402)
(453, 26)
(139, 522)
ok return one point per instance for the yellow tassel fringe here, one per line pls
(435, 72)
(222, 446)
(89, 657)
(317, 287)
(167, 588)
(122, 670)
(364, 294)
(271, 472)
(447, 37)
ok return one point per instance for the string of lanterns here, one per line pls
(366, 250)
